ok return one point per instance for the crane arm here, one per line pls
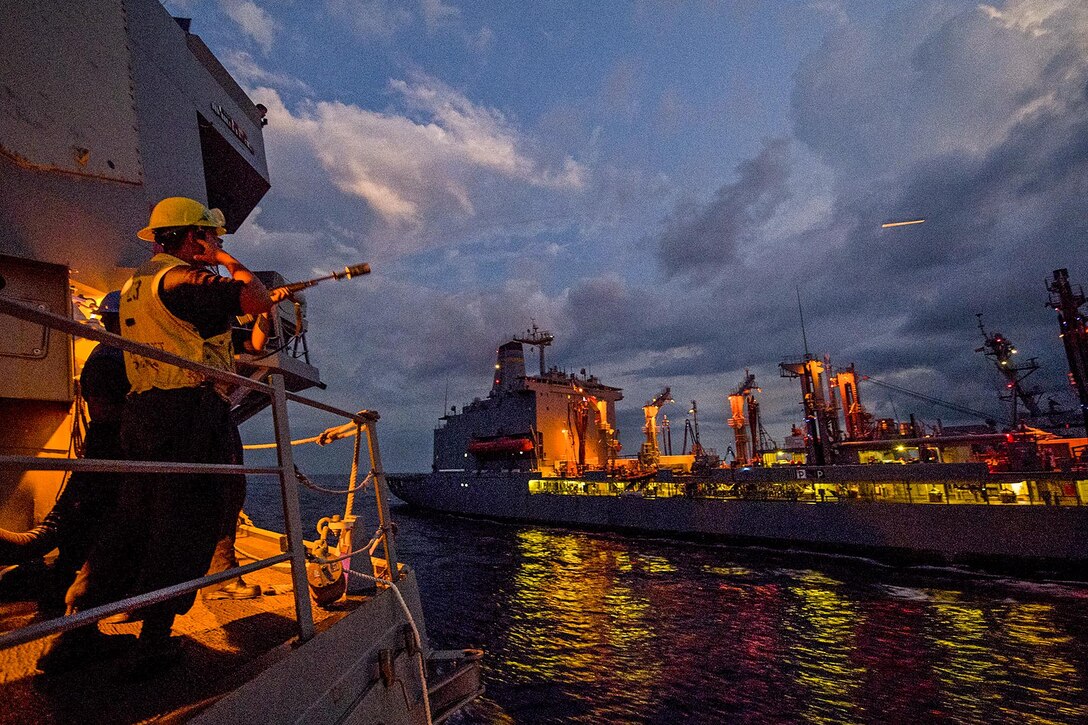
(930, 399)
(664, 397)
(746, 386)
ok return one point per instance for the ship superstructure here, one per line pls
(555, 421)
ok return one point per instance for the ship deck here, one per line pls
(224, 643)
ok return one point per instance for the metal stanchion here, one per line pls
(291, 515)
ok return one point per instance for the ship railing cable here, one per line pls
(324, 438)
(305, 481)
(296, 552)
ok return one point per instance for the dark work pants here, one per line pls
(89, 499)
(165, 526)
(234, 498)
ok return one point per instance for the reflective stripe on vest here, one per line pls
(145, 319)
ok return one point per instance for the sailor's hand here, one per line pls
(279, 294)
(210, 252)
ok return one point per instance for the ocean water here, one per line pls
(597, 628)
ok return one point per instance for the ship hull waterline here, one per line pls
(1007, 538)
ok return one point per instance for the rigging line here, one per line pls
(324, 438)
(930, 399)
(801, 313)
(369, 549)
(415, 634)
(305, 481)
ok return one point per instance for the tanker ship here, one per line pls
(544, 449)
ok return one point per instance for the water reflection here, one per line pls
(592, 628)
(607, 629)
(820, 623)
(574, 619)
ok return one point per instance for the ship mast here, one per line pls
(539, 339)
(1074, 333)
(1000, 349)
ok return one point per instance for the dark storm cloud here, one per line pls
(973, 118)
(700, 239)
(976, 121)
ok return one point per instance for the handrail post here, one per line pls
(292, 517)
(381, 493)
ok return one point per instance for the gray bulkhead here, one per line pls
(107, 107)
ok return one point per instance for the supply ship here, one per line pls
(107, 108)
(544, 448)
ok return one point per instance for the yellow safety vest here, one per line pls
(145, 319)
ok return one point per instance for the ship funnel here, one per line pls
(509, 367)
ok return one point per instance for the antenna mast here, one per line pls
(538, 338)
(801, 313)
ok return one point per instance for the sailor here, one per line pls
(166, 526)
(88, 499)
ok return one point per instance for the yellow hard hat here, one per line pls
(179, 211)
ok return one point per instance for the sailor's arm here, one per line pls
(254, 297)
(262, 326)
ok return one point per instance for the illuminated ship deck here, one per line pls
(225, 643)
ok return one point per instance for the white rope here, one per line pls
(324, 438)
(415, 635)
(369, 549)
(302, 478)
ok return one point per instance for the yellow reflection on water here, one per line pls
(963, 663)
(575, 620)
(728, 571)
(1035, 644)
(823, 624)
(1028, 677)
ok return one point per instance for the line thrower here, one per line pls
(355, 270)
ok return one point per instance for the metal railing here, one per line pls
(284, 470)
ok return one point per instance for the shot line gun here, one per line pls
(355, 270)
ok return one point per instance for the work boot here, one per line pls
(82, 647)
(155, 651)
(235, 589)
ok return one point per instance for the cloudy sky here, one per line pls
(656, 183)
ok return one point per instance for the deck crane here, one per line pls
(649, 454)
(821, 414)
(745, 419)
(989, 419)
(843, 384)
(578, 412)
(691, 431)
